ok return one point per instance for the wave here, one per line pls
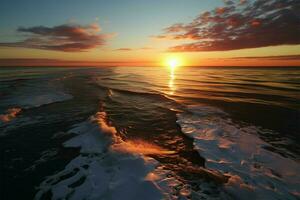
(127, 91)
(238, 152)
(10, 114)
(250, 86)
(32, 96)
(140, 147)
(13, 79)
(105, 168)
(151, 94)
(43, 99)
(109, 167)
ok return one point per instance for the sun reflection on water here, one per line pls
(173, 62)
(172, 78)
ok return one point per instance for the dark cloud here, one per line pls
(228, 2)
(69, 38)
(239, 25)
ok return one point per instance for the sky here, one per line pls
(146, 33)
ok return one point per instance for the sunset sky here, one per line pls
(146, 33)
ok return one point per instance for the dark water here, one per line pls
(214, 133)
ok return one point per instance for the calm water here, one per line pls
(150, 133)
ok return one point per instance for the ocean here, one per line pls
(149, 133)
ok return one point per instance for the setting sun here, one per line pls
(173, 62)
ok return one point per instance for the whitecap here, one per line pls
(103, 172)
(237, 151)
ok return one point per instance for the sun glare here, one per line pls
(173, 62)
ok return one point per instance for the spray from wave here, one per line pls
(140, 147)
(238, 152)
(107, 167)
(10, 114)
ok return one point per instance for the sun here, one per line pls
(173, 62)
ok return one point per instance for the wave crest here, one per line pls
(10, 114)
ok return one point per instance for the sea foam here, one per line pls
(103, 169)
(35, 93)
(238, 152)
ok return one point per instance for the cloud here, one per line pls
(124, 49)
(132, 49)
(146, 48)
(239, 25)
(282, 58)
(66, 37)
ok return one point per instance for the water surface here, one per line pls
(190, 132)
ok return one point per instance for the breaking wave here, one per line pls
(10, 114)
(107, 167)
(238, 152)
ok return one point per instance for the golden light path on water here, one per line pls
(171, 81)
(173, 63)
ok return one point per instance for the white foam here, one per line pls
(255, 172)
(37, 100)
(34, 94)
(102, 172)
